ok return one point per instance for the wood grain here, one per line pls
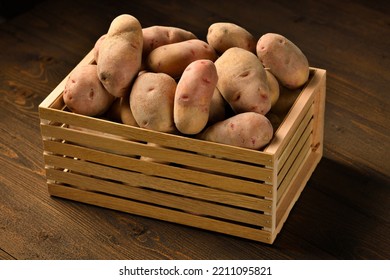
(343, 212)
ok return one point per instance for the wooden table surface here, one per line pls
(343, 213)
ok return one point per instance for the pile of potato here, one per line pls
(166, 79)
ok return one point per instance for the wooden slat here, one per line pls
(319, 114)
(296, 163)
(167, 185)
(290, 146)
(162, 139)
(128, 147)
(159, 213)
(165, 200)
(294, 153)
(156, 169)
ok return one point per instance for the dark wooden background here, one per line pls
(343, 212)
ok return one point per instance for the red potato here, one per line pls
(151, 101)
(217, 108)
(284, 59)
(157, 35)
(84, 94)
(247, 130)
(273, 86)
(193, 96)
(96, 47)
(120, 55)
(243, 81)
(125, 113)
(224, 35)
(120, 112)
(172, 59)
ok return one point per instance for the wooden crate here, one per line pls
(207, 185)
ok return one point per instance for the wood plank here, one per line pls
(305, 127)
(164, 171)
(5, 256)
(303, 141)
(295, 165)
(133, 179)
(163, 200)
(132, 148)
(158, 213)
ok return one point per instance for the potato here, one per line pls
(247, 130)
(217, 108)
(151, 101)
(172, 59)
(273, 86)
(120, 55)
(96, 47)
(157, 35)
(224, 35)
(125, 113)
(84, 94)
(284, 59)
(193, 96)
(243, 81)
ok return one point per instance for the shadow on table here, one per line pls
(343, 212)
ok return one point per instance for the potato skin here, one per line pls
(247, 130)
(172, 59)
(84, 94)
(217, 108)
(284, 59)
(193, 96)
(273, 86)
(224, 35)
(120, 55)
(243, 81)
(151, 101)
(159, 35)
(96, 47)
(125, 113)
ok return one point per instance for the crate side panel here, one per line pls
(162, 199)
(295, 185)
(160, 170)
(294, 139)
(128, 147)
(134, 179)
(296, 163)
(303, 141)
(138, 180)
(151, 211)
